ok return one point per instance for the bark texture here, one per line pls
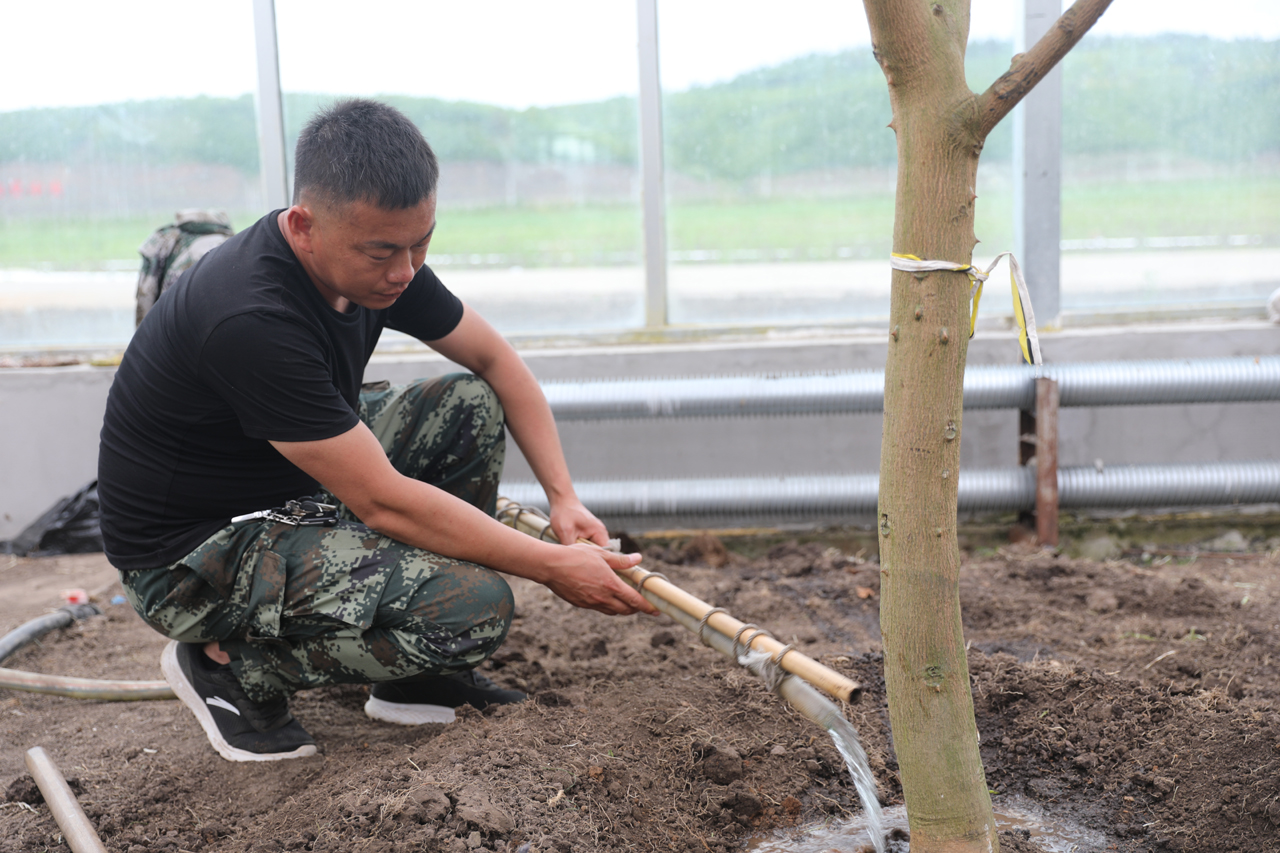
(941, 126)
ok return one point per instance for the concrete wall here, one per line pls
(50, 417)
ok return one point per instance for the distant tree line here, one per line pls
(1172, 95)
(160, 131)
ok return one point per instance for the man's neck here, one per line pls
(336, 301)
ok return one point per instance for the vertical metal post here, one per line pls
(1047, 461)
(271, 149)
(653, 195)
(1037, 169)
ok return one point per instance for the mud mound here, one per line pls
(1189, 773)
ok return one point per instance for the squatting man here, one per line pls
(239, 403)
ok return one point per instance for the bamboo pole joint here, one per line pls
(653, 585)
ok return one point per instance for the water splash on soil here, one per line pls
(1050, 833)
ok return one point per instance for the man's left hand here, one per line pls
(571, 521)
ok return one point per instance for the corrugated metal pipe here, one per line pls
(1001, 490)
(1104, 383)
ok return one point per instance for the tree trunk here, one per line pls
(941, 126)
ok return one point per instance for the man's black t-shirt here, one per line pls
(242, 351)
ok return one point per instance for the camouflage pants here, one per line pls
(301, 607)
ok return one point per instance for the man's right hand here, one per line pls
(586, 577)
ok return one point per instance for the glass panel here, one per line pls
(97, 152)
(1171, 165)
(780, 167)
(535, 126)
(990, 51)
(780, 172)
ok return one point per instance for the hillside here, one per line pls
(1172, 96)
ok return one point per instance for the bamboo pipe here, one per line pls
(655, 589)
(798, 692)
(806, 668)
(76, 829)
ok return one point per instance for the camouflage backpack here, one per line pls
(172, 249)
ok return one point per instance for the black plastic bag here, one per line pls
(71, 526)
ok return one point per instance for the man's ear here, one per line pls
(301, 222)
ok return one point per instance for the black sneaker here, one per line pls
(432, 699)
(240, 730)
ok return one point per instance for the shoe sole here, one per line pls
(407, 715)
(173, 674)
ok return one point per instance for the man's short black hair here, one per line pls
(362, 150)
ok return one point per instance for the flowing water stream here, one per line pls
(842, 733)
(846, 740)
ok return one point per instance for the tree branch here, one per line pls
(1029, 68)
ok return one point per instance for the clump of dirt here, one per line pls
(1134, 698)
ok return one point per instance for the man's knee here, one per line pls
(474, 597)
(498, 608)
(476, 394)
(473, 605)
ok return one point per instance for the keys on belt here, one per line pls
(299, 513)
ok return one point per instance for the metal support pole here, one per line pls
(1047, 461)
(271, 149)
(653, 195)
(1037, 169)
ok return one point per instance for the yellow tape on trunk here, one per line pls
(1028, 340)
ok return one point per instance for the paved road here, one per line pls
(44, 309)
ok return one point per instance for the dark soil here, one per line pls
(1133, 697)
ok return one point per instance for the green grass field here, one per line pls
(798, 229)
(80, 242)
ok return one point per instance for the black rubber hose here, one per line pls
(60, 618)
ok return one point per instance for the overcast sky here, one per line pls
(511, 52)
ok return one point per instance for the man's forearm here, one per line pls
(354, 467)
(477, 346)
(532, 425)
(422, 515)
